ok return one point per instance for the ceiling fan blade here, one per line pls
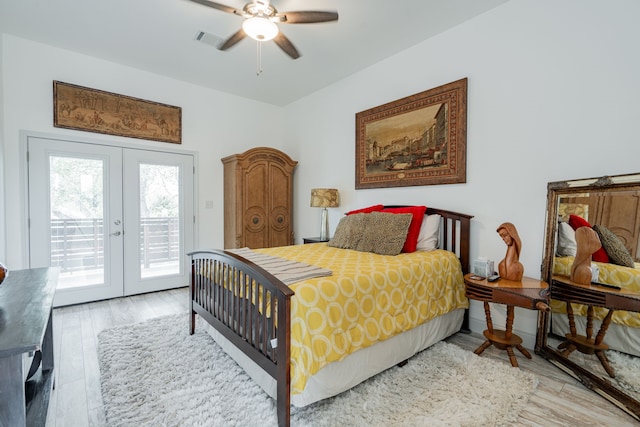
(283, 42)
(235, 38)
(219, 6)
(306, 17)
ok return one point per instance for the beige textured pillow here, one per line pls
(385, 233)
(349, 231)
(614, 247)
(377, 232)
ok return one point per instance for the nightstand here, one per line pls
(527, 293)
(306, 240)
(594, 295)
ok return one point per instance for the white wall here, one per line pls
(2, 180)
(553, 95)
(214, 125)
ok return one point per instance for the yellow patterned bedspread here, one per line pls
(369, 298)
(625, 277)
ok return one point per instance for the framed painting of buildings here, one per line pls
(92, 110)
(417, 140)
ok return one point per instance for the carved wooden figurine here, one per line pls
(588, 242)
(510, 267)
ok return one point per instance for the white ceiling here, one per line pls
(159, 36)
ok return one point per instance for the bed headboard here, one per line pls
(455, 230)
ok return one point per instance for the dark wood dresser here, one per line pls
(26, 302)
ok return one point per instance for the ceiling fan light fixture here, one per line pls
(260, 28)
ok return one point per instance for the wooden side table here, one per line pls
(528, 293)
(563, 289)
(306, 240)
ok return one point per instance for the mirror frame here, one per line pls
(555, 190)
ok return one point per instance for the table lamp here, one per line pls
(324, 198)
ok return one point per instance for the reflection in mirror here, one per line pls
(593, 330)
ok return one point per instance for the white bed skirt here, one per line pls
(620, 338)
(355, 368)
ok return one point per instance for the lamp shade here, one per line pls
(325, 198)
(260, 28)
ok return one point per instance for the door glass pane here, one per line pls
(77, 235)
(159, 220)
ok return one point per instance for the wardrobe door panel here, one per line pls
(280, 215)
(256, 203)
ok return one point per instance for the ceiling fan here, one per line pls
(260, 23)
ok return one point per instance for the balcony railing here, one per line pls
(78, 244)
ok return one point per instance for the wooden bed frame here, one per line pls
(252, 308)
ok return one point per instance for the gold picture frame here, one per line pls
(92, 110)
(417, 140)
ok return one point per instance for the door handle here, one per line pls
(117, 233)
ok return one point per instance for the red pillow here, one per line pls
(411, 243)
(576, 222)
(374, 208)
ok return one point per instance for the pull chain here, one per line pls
(259, 58)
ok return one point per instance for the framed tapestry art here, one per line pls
(417, 140)
(92, 110)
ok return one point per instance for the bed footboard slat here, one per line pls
(251, 308)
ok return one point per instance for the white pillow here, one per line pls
(429, 233)
(567, 245)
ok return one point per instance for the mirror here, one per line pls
(593, 330)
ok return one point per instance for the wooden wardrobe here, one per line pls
(258, 199)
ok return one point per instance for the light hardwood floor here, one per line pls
(76, 401)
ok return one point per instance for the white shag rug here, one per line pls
(156, 374)
(627, 370)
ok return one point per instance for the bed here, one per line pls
(301, 343)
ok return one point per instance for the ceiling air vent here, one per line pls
(208, 38)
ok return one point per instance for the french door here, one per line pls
(116, 221)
